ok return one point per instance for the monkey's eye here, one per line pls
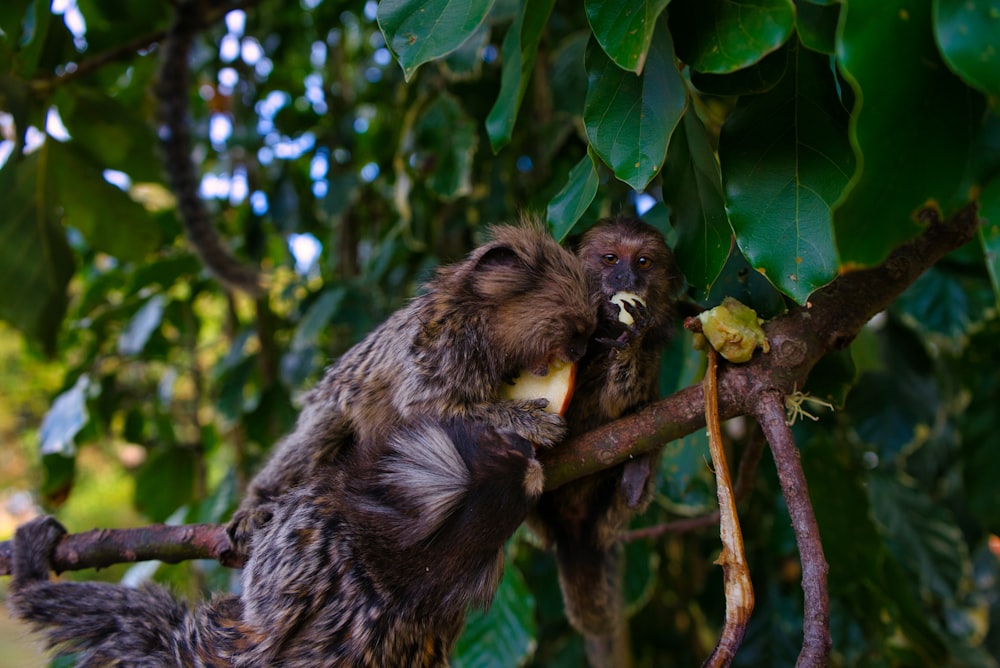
(644, 263)
(610, 259)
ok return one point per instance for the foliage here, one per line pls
(810, 132)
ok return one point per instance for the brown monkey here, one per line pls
(618, 374)
(390, 501)
(372, 564)
(518, 302)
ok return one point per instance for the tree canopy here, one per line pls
(346, 149)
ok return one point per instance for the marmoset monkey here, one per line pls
(519, 302)
(383, 515)
(634, 280)
(372, 564)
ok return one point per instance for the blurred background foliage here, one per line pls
(348, 148)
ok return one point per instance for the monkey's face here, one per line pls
(632, 257)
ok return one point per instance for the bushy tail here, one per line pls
(103, 624)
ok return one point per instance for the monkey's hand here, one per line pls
(248, 520)
(34, 542)
(642, 321)
(528, 419)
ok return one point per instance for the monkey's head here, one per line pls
(626, 254)
(527, 298)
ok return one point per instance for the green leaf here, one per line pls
(446, 138)
(570, 203)
(142, 325)
(65, 419)
(419, 32)
(989, 231)
(692, 188)
(785, 161)
(968, 33)
(108, 218)
(115, 135)
(816, 24)
(937, 303)
(721, 36)
(165, 482)
(35, 260)
(921, 534)
(760, 77)
(519, 48)
(629, 118)
(625, 29)
(12, 15)
(886, 52)
(504, 635)
(317, 317)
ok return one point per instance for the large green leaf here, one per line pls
(504, 635)
(117, 136)
(629, 118)
(570, 203)
(418, 32)
(968, 32)
(692, 188)
(887, 53)
(757, 78)
(445, 137)
(721, 36)
(785, 161)
(921, 534)
(35, 261)
(108, 218)
(816, 24)
(519, 49)
(625, 29)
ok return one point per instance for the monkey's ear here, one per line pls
(498, 256)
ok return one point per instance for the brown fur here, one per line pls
(618, 375)
(362, 567)
(516, 302)
(382, 516)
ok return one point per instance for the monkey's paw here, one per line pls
(34, 542)
(245, 523)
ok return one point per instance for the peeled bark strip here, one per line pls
(736, 572)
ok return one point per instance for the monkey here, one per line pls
(618, 374)
(172, 90)
(520, 301)
(373, 563)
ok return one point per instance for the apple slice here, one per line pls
(618, 300)
(556, 386)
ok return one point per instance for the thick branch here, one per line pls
(100, 548)
(799, 338)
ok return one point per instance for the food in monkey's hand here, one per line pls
(619, 300)
(556, 386)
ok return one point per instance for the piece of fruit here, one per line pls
(618, 300)
(556, 386)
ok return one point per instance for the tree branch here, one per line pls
(799, 338)
(816, 623)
